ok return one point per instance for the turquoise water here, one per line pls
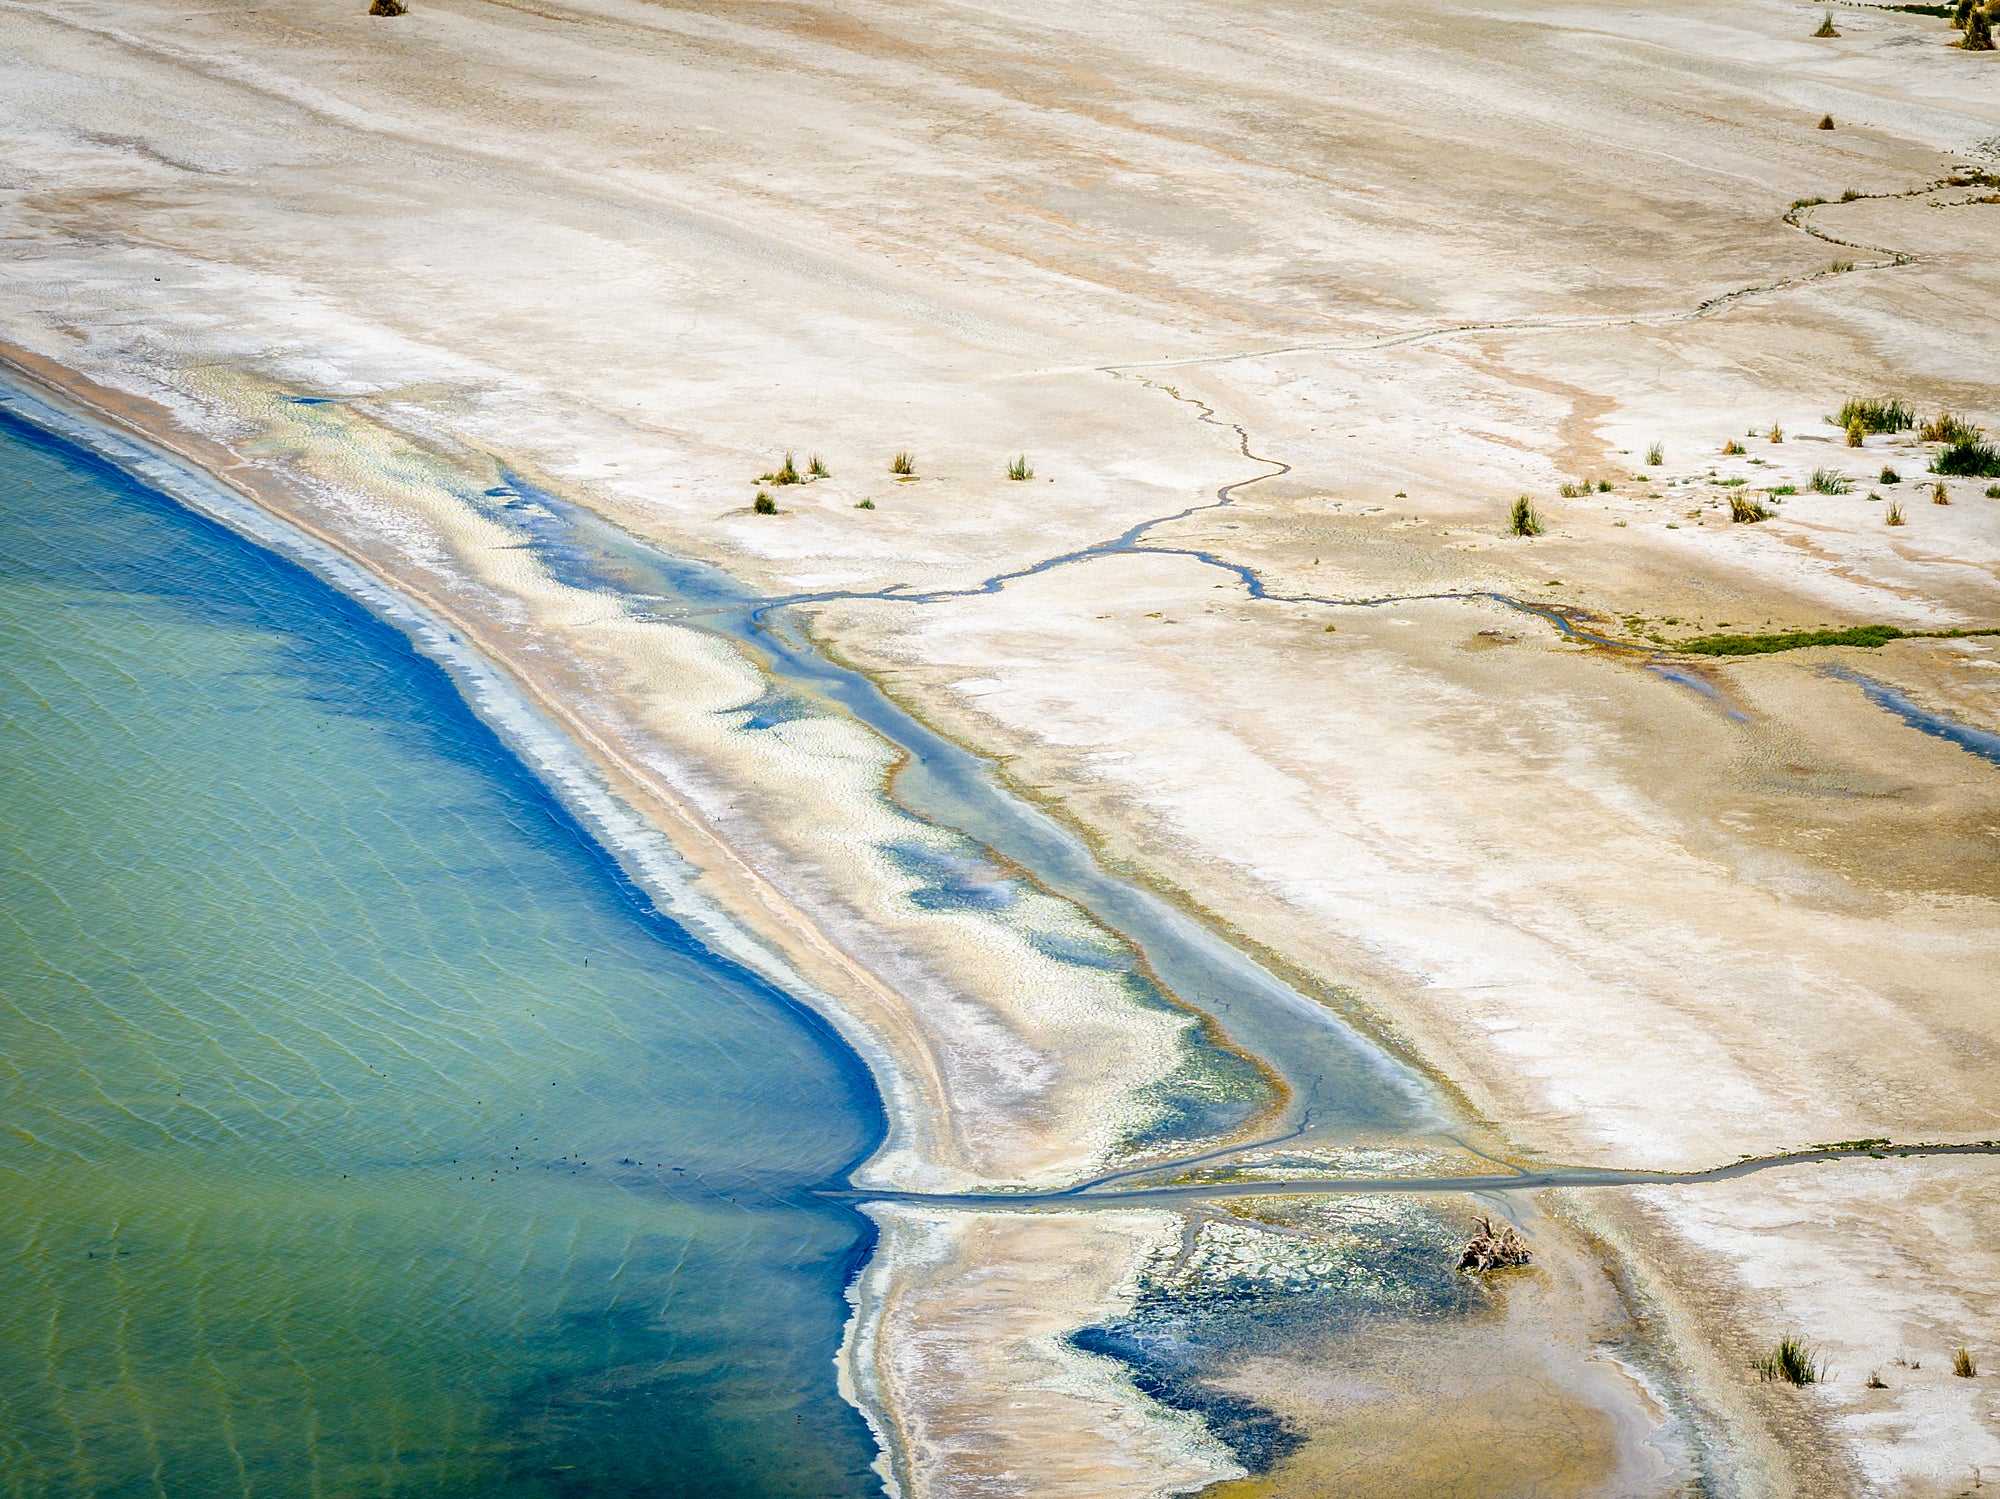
(366, 1132)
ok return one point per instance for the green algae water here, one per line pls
(366, 1131)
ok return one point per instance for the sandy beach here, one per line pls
(1283, 307)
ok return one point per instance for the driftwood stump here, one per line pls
(1493, 1247)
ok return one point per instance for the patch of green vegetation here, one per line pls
(864, 504)
(764, 504)
(1730, 483)
(816, 466)
(1867, 636)
(1895, 515)
(1019, 469)
(903, 463)
(1888, 476)
(1524, 519)
(1779, 491)
(1827, 28)
(1945, 427)
(1744, 511)
(1869, 1144)
(1656, 454)
(1829, 481)
(1793, 1361)
(1968, 458)
(787, 474)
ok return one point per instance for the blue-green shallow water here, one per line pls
(365, 1130)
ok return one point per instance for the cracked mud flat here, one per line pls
(1625, 911)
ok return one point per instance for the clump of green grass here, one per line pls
(1944, 427)
(1656, 454)
(1978, 33)
(1964, 1365)
(1604, 486)
(1571, 489)
(1793, 1361)
(1888, 476)
(1850, 195)
(864, 504)
(1829, 481)
(1993, 491)
(1776, 434)
(904, 463)
(764, 504)
(1939, 494)
(1857, 436)
(788, 473)
(1779, 491)
(1827, 28)
(1868, 637)
(1968, 458)
(1734, 482)
(1732, 449)
(1019, 469)
(1524, 519)
(1895, 515)
(816, 466)
(1871, 415)
(1744, 510)
(1840, 267)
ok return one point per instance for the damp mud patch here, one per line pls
(1263, 1277)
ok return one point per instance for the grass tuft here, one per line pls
(1993, 491)
(816, 466)
(1829, 481)
(1944, 427)
(1571, 489)
(1793, 1361)
(1827, 28)
(1524, 519)
(764, 504)
(1885, 415)
(788, 474)
(1656, 454)
(1604, 486)
(1746, 511)
(1895, 515)
(1019, 469)
(903, 463)
(1839, 267)
(864, 504)
(1939, 494)
(1964, 1365)
(1732, 449)
(1968, 458)
(1978, 33)
(1888, 476)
